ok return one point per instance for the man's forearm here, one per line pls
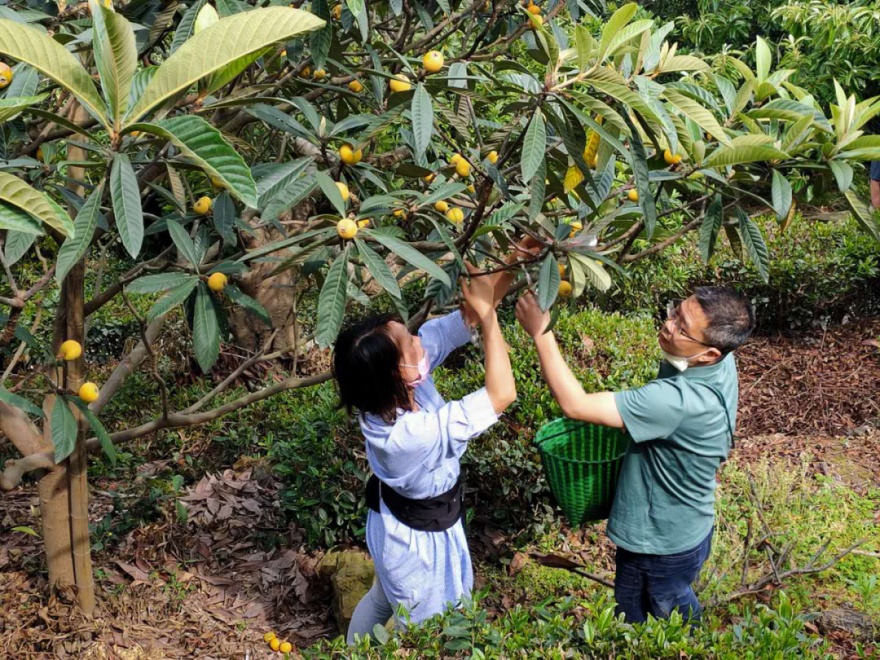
(596, 408)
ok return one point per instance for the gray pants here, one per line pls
(372, 609)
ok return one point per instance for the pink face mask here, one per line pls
(424, 370)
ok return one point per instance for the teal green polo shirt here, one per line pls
(665, 499)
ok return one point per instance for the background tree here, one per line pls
(272, 183)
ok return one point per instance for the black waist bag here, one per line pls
(432, 514)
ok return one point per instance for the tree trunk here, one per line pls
(55, 513)
(277, 294)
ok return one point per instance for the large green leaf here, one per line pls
(205, 145)
(863, 214)
(331, 301)
(206, 329)
(249, 304)
(98, 428)
(534, 146)
(725, 156)
(187, 24)
(615, 24)
(173, 298)
(20, 402)
(548, 282)
(17, 245)
(183, 242)
(156, 283)
(63, 429)
(410, 254)
(710, 228)
(754, 243)
(696, 112)
(16, 193)
(380, 270)
(423, 120)
(14, 219)
(115, 56)
(594, 270)
(12, 107)
(781, 195)
(73, 249)
(279, 179)
(642, 176)
(217, 47)
(224, 217)
(127, 204)
(843, 172)
(331, 192)
(24, 43)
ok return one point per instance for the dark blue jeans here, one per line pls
(659, 584)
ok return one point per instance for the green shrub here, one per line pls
(588, 628)
(820, 272)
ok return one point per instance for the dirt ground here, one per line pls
(203, 589)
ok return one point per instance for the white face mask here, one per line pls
(680, 363)
(424, 369)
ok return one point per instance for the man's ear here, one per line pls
(711, 356)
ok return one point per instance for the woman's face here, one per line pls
(410, 346)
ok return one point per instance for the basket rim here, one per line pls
(546, 452)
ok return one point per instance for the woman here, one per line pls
(414, 441)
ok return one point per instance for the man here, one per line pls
(875, 183)
(682, 425)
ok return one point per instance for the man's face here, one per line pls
(682, 334)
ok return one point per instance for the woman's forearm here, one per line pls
(499, 375)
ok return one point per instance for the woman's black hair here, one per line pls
(366, 365)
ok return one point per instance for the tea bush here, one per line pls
(588, 628)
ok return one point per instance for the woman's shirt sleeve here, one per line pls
(443, 335)
(425, 439)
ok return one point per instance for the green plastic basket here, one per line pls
(582, 462)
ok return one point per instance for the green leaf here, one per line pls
(548, 282)
(115, 56)
(697, 113)
(594, 270)
(331, 302)
(49, 57)
(863, 214)
(25, 530)
(781, 193)
(843, 172)
(763, 60)
(331, 192)
(290, 196)
(156, 283)
(25, 82)
(17, 193)
(224, 217)
(63, 429)
(205, 145)
(219, 46)
(73, 249)
(187, 25)
(726, 156)
(423, 120)
(183, 242)
(614, 25)
(410, 254)
(20, 402)
(279, 178)
(206, 329)
(710, 228)
(17, 244)
(14, 219)
(377, 267)
(171, 299)
(127, 204)
(98, 428)
(249, 304)
(534, 146)
(11, 107)
(754, 244)
(642, 179)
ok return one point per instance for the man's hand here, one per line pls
(530, 316)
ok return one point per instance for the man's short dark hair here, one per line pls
(730, 314)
